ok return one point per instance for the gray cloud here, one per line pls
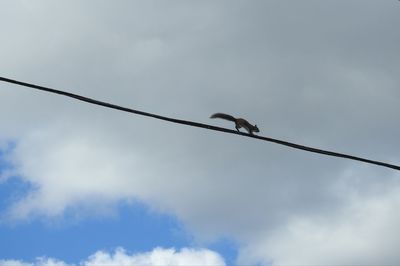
(319, 73)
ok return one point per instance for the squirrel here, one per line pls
(239, 122)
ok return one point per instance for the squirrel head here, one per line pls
(256, 129)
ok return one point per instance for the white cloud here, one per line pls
(57, 170)
(14, 263)
(364, 232)
(157, 257)
(42, 261)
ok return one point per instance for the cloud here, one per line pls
(14, 263)
(295, 69)
(156, 257)
(42, 261)
(362, 233)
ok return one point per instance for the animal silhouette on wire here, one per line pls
(239, 122)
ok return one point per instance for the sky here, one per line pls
(85, 185)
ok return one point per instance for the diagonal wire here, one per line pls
(201, 125)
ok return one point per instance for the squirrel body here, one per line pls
(239, 122)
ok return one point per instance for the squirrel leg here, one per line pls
(237, 127)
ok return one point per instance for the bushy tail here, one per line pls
(223, 116)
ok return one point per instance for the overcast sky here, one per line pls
(320, 73)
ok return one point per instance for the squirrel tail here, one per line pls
(223, 116)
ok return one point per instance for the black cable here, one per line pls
(195, 124)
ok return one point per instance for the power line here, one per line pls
(196, 124)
